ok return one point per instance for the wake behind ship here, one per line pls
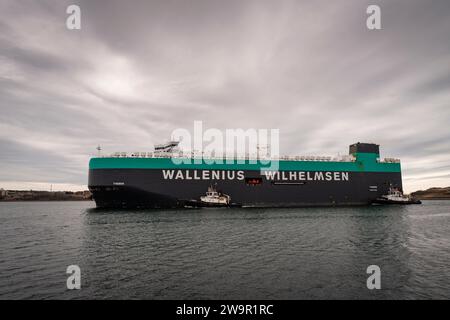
(155, 180)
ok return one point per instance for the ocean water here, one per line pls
(307, 253)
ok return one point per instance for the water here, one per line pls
(310, 253)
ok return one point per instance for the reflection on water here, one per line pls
(305, 253)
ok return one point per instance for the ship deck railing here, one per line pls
(196, 155)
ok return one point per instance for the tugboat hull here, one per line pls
(386, 201)
(201, 204)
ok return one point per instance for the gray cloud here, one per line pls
(139, 69)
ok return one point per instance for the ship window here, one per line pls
(253, 181)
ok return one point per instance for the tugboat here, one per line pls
(214, 198)
(395, 196)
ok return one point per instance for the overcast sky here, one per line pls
(137, 70)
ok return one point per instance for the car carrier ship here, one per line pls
(168, 178)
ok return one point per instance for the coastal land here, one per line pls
(31, 195)
(432, 194)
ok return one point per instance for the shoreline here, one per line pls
(38, 196)
(92, 200)
(32, 195)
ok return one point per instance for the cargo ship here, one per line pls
(166, 178)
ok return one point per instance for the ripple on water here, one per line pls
(310, 253)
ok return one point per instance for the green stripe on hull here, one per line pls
(365, 162)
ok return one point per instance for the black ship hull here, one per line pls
(147, 188)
